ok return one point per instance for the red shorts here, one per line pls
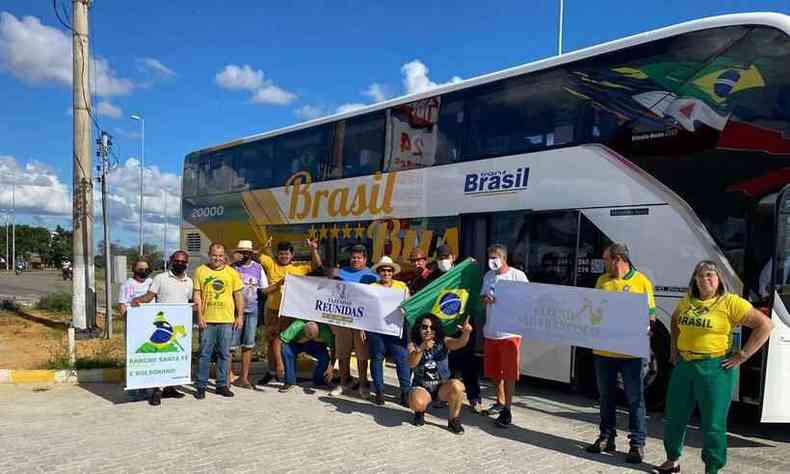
(502, 358)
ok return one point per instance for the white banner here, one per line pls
(567, 315)
(158, 345)
(340, 303)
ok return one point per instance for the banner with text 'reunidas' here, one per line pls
(353, 305)
(158, 345)
(567, 315)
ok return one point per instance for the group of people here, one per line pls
(434, 367)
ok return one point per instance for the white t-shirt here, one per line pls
(132, 288)
(168, 288)
(488, 288)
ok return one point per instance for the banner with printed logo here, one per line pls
(567, 315)
(353, 305)
(158, 345)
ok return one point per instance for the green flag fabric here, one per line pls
(451, 297)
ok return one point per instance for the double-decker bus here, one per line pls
(675, 141)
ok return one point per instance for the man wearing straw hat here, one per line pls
(253, 278)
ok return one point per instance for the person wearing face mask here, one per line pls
(173, 286)
(253, 278)
(502, 350)
(137, 285)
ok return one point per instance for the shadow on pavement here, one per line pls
(383, 415)
(115, 393)
(548, 441)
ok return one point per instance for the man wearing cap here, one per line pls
(253, 278)
(383, 345)
(347, 339)
(276, 271)
(622, 276)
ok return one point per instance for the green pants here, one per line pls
(706, 384)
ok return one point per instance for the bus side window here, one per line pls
(362, 144)
(302, 151)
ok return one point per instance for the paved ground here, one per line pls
(93, 429)
(30, 286)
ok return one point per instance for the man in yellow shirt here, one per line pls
(220, 307)
(621, 276)
(276, 271)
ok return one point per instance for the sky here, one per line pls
(203, 73)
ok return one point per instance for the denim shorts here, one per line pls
(245, 337)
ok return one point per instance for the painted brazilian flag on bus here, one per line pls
(451, 297)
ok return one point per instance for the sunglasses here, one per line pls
(418, 259)
(426, 327)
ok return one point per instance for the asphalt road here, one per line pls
(29, 287)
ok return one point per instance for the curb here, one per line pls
(61, 376)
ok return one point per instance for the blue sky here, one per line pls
(202, 73)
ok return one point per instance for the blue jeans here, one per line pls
(606, 369)
(315, 349)
(381, 345)
(215, 335)
(245, 337)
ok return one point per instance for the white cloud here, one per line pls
(38, 189)
(245, 78)
(309, 112)
(157, 67)
(271, 94)
(107, 109)
(38, 54)
(377, 92)
(350, 107)
(239, 78)
(416, 80)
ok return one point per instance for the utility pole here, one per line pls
(13, 222)
(164, 232)
(559, 38)
(104, 143)
(7, 255)
(83, 285)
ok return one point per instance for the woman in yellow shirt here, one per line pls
(702, 327)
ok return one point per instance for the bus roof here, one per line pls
(775, 20)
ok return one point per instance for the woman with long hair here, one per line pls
(702, 327)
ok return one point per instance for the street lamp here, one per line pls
(142, 165)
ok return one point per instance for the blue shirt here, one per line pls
(364, 275)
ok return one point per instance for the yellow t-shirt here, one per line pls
(632, 282)
(216, 290)
(396, 284)
(706, 325)
(276, 272)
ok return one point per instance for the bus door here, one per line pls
(775, 408)
(543, 245)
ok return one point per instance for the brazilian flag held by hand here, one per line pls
(451, 297)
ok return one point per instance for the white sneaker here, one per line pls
(337, 390)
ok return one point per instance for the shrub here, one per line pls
(58, 302)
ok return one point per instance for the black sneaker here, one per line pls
(286, 387)
(200, 393)
(224, 391)
(156, 398)
(505, 418)
(454, 425)
(419, 418)
(602, 444)
(494, 409)
(171, 392)
(379, 399)
(635, 455)
(265, 379)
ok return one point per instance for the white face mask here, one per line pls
(445, 264)
(495, 263)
